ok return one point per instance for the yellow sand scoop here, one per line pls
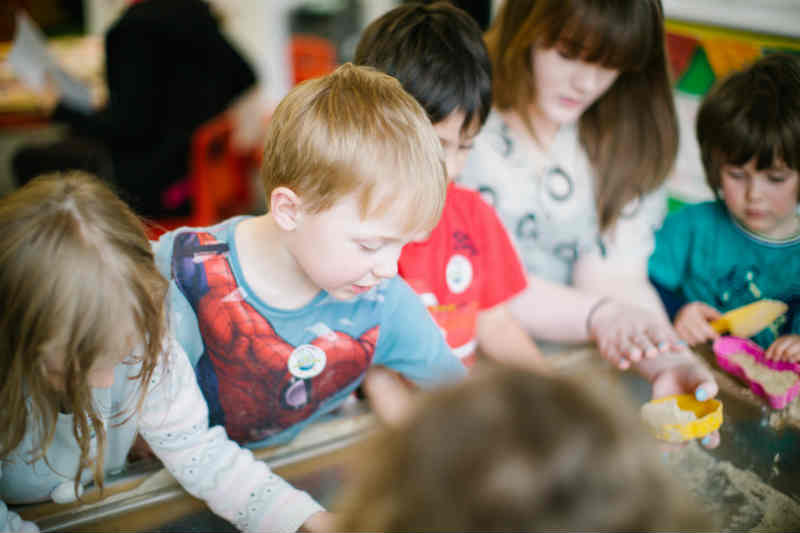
(749, 319)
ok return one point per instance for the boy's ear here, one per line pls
(285, 207)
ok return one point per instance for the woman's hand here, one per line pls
(785, 348)
(693, 323)
(627, 334)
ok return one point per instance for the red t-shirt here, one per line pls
(467, 265)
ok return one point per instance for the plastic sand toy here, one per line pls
(681, 417)
(777, 381)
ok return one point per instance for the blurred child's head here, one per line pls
(601, 63)
(438, 54)
(514, 451)
(748, 128)
(356, 132)
(80, 291)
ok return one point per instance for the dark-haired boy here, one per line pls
(466, 269)
(743, 246)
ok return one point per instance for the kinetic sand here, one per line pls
(666, 413)
(775, 382)
(736, 499)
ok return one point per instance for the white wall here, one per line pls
(778, 17)
(261, 30)
(258, 27)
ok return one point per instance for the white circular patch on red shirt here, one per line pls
(458, 274)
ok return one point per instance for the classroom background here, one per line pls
(289, 40)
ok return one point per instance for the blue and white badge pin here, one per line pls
(307, 361)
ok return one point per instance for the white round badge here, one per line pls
(458, 274)
(306, 361)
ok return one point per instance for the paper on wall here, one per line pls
(34, 65)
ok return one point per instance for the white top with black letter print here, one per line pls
(546, 201)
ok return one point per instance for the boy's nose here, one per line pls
(753, 188)
(385, 270)
(451, 165)
(454, 163)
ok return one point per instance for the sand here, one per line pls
(664, 418)
(737, 500)
(658, 414)
(775, 382)
(788, 416)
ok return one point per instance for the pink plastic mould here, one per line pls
(727, 345)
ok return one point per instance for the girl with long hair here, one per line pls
(574, 155)
(86, 363)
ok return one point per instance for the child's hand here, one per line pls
(390, 395)
(693, 323)
(785, 348)
(626, 334)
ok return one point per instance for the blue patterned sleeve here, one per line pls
(162, 250)
(411, 343)
(182, 319)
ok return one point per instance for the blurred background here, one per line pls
(286, 41)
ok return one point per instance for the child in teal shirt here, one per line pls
(744, 246)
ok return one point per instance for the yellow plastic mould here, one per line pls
(708, 413)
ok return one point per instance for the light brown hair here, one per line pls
(630, 133)
(356, 131)
(510, 450)
(76, 273)
(753, 113)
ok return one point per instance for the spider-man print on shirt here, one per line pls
(255, 382)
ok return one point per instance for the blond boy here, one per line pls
(283, 313)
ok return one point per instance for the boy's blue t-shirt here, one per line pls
(703, 255)
(266, 372)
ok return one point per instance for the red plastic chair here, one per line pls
(218, 184)
(311, 56)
